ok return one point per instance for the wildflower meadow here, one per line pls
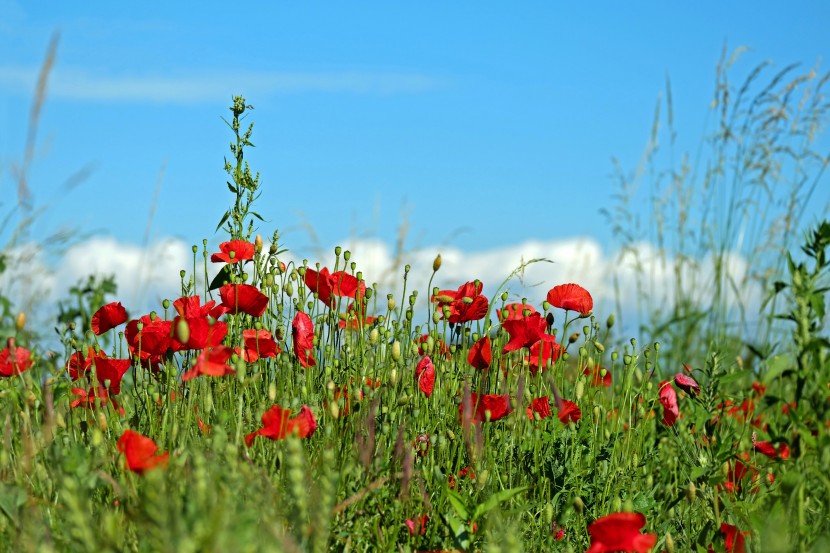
(284, 405)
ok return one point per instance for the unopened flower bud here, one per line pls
(396, 350)
(691, 492)
(258, 244)
(579, 506)
(272, 391)
(182, 331)
(20, 321)
(374, 336)
(437, 263)
(669, 543)
(573, 337)
(600, 347)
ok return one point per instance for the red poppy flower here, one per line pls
(569, 412)
(571, 297)
(475, 409)
(277, 424)
(687, 384)
(425, 375)
(211, 362)
(417, 526)
(465, 304)
(77, 366)
(14, 360)
(234, 252)
(733, 538)
(735, 475)
(93, 399)
(202, 332)
(302, 332)
(525, 332)
(541, 406)
(243, 298)
(110, 370)
(620, 532)
(513, 311)
(481, 354)
(327, 285)
(596, 376)
(258, 343)
(668, 397)
(108, 317)
(140, 452)
(154, 338)
(766, 448)
(542, 353)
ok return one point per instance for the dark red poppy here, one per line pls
(14, 360)
(668, 397)
(327, 285)
(141, 452)
(465, 304)
(596, 376)
(154, 338)
(687, 384)
(542, 353)
(569, 412)
(571, 297)
(77, 366)
(234, 252)
(733, 538)
(277, 424)
(258, 343)
(481, 354)
(476, 407)
(302, 332)
(766, 448)
(620, 532)
(525, 332)
(425, 375)
(539, 406)
(513, 311)
(735, 475)
(211, 362)
(108, 317)
(243, 298)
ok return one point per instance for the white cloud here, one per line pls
(81, 84)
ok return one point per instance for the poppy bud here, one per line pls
(289, 289)
(272, 391)
(272, 249)
(334, 409)
(580, 389)
(102, 421)
(182, 331)
(669, 543)
(691, 492)
(258, 244)
(374, 336)
(436, 317)
(393, 376)
(579, 505)
(609, 323)
(573, 337)
(396, 350)
(600, 347)
(549, 319)
(437, 263)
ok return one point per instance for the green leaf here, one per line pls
(494, 500)
(232, 188)
(458, 504)
(222, 221)
(776, 366)
(460, 532)
(222, 277)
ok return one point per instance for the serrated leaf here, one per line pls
(494, 500)
(222, 277)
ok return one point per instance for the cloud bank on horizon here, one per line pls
(147, 275)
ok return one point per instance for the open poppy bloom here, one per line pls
(258, 343)
(733, 538)
(211, 362)
(107, 317)
(539, 406)
(569, 412)
(196, 325)
(481, 354)
(542, 354)
(620, 532)
(94, 399)
(234, 252)
(513, 311)
(111, 371)
(154, 338)
(525, 332)
(140, 452)
(425, 375)
(243, 298)
(668, 397)
(277, 424)
(687, 384)
(477, 407)
(766, 448)
(418, 526)
(571, 297)
(465, 304)
(302, 332)
(327, 285)
(14, 360)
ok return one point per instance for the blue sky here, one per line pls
(485, 125)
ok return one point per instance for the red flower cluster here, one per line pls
(14, 360)
(620, 532)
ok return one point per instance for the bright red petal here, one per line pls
(108, 317)
(571, 297)
(425, 375)
(302, 331)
